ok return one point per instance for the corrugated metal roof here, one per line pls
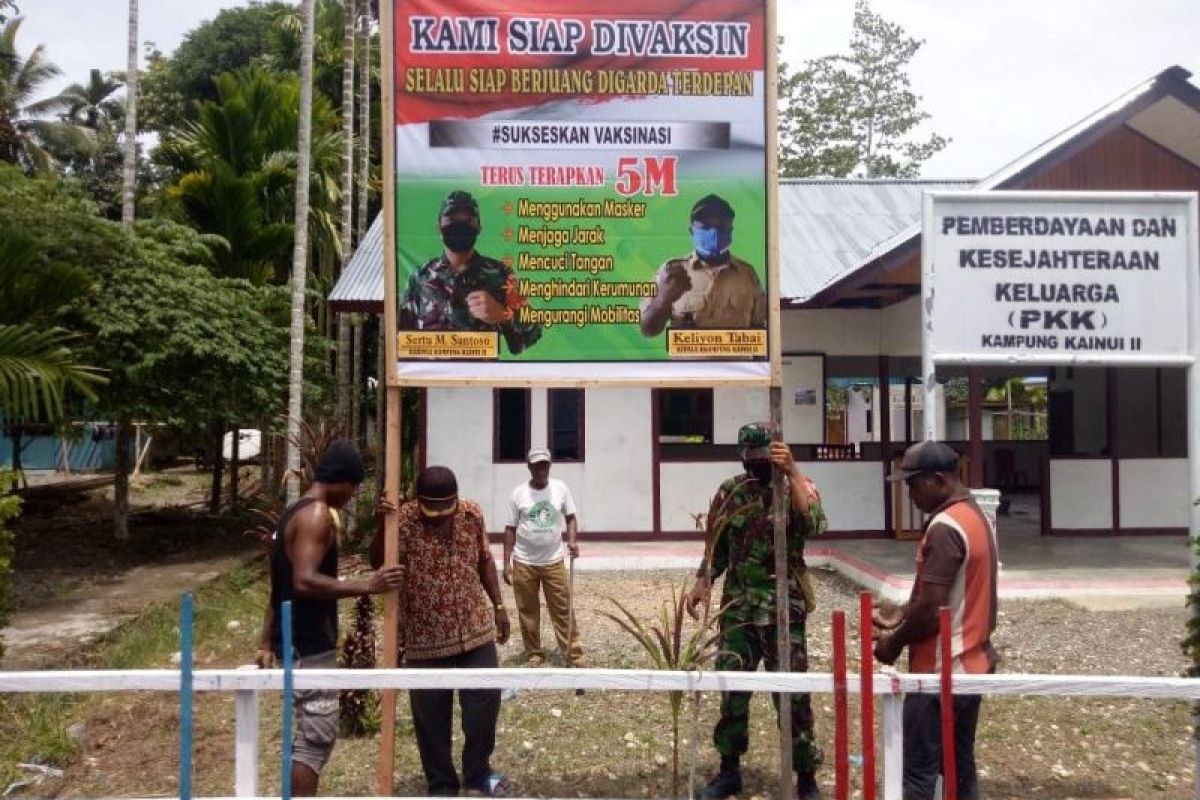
(1114, 110)
(826, 228)
(829, 228)
(360, 287)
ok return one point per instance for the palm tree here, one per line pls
(347, 227)
(92, 106)
(238, 166)
(364, 184)
(28, 137)
(300, 255)
(328, 26)
(129, 174)
(37, 365)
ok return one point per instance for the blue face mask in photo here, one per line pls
(711, 243)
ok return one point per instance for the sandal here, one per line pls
(494, 785)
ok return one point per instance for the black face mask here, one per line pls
(459, 237)
(762, 471)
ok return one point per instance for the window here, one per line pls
(510, 441)
(851, 400)
(685, 416)
(565, 424)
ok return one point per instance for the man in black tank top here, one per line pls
(304, 559)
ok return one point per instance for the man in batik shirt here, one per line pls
(740, 544)
(462, 290)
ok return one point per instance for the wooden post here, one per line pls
(866, 666)
(391, 600)
(946, 693)
(783, 649)
(779, 491)
(893, 744)
(841, 710)
(234, 466)
(975, 425)
(246, 746)
(392, 458)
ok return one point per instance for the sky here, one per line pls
(998, 77)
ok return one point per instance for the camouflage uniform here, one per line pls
(741, 533)
(436, 300)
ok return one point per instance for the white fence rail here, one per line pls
(246, 684)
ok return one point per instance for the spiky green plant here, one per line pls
(672, 643)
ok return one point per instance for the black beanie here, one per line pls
(340, 463)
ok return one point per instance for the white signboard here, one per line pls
(1058, 278)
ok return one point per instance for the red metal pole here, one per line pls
(841, 750)
(867, 697)
(949, 773)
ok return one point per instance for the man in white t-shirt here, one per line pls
(539, 511)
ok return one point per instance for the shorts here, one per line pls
(316, 716)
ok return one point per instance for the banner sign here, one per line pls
(581, 189)
(1056, 277)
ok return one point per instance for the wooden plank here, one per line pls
(392, 458)
(771, 90)
(627, 680)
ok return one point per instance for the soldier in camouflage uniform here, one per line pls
(740, 544)
(462, 290)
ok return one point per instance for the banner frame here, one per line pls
(773, 368)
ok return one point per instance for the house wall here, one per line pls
(1081, 494)
(1154, 493)
(851, 491)
(614, 487)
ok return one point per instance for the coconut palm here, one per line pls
(30, 135)
(345, 393)
(129, 165)
(300, 251)
(92, 104)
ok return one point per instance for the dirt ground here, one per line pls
(73, 581)
(603, 744)
(611, 744)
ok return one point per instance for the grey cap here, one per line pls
(928, 456)
(537, 455)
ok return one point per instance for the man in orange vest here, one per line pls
(957, 564)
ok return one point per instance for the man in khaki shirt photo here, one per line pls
(710, 287)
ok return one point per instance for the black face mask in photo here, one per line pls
(459, 237)
(761, 470)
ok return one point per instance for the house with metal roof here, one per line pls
(1110, 456)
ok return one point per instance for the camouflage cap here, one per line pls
(459, 201)
(754, 438)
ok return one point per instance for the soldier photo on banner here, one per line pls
(462, 289)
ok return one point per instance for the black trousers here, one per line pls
(433, 711)
(923, 745)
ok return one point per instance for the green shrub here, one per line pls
(10, 508)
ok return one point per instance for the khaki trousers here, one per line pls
(552, 581)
